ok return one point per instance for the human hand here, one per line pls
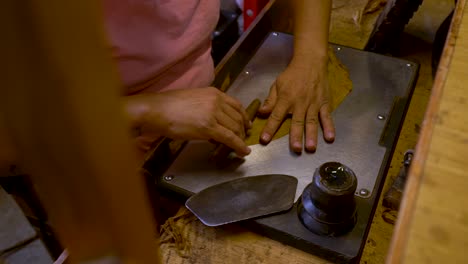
(303, 92)
(203, 113)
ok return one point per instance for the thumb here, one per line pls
(270, 102)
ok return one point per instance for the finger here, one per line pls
(274, 121)
(311, 128)
(228, 138)
(237, 106)
(236, 116)
(326, 120)
(270, 102)
(232, 122)
(297, 130)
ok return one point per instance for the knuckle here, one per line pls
(207, 123)
(276, 117)
(231, 137)
(327, 115)
(285, 98)
(213, 93)
(297, 122)
(238, 119)
(311, 120)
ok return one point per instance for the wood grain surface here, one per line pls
(433, 227)
(60, 96)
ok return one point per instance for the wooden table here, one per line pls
(232, 244)
(433, 227)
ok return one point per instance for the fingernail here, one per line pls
(266, 137)
(311, 146)
(297, 146)
(247, 151)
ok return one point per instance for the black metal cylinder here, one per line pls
(327, 205)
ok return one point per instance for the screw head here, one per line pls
(380, 117)
(364, 192)
(168, 177)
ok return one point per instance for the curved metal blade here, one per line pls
(243, 198)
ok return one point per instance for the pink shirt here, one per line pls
(162, 44)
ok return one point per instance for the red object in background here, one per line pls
(251, 9)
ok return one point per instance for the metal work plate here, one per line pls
(360, 122)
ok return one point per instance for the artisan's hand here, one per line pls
(203, 113)
(302, 91)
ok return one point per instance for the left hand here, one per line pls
(302, 91)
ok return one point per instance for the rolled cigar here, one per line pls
(222, 151)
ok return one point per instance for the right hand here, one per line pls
(202, 113)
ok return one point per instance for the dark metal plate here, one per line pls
(243, 199)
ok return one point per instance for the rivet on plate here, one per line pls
(364, 192)
(338, 48)
(275, 34)
(380, 117)
(408, 64)
(168, 177)
(249, 12)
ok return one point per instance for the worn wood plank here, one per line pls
(354, 21)
(61, 103)
(433, 227)
(229, 244)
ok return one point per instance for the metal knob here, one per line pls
(327, 205)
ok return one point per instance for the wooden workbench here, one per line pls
(433, 227)
(233, 244)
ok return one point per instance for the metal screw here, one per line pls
(275, 34)
(408, 64)
(338, 48)
(168, 177)
(380, 117)
(249, 12)
(364, 192)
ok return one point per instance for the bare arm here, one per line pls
(311, 26)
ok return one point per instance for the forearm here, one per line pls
(311, 26)
(144, 112)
